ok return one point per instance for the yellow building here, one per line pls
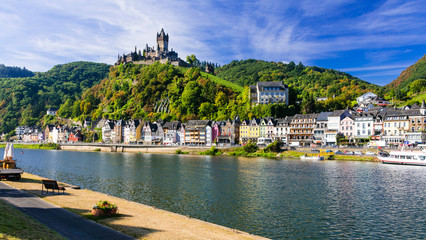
(249, 130)
(395, 126)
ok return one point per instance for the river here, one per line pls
(278, 199)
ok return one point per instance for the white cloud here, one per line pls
(40, 34)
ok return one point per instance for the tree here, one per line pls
(193, 60)
(191, 97)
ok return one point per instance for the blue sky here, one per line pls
(372, 40)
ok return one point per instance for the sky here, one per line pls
(372, 40)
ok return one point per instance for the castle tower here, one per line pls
(423, 108)
(162, 42)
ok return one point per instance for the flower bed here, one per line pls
(104, 208)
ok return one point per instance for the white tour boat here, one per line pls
(408, 157)
(312, 158)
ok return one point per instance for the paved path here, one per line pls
(69, 225)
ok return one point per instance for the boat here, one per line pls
(8, 169)
(407, 157)
(312, 158)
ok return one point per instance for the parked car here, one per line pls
(328, 151)
(338, 152)
(358, 153)
(370, 153)
(349, 153)
(315, 150)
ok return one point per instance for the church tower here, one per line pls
(162, 42)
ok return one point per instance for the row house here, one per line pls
(335, 117)
(229, 131)
(181, 134)
(171, 133)
(395, 125)
(249, 130)
(117, 132)
(347, 127)
(152, 133)
(195, 132)
(282, 128)
(321, 127)
(33, 135)
(302, 128)
(131, 131)
(363, 125)
(75, 136)
(266, 130)
(107, 129)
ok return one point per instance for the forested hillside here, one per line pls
(24, 101)
(14, 72)
(411, 81)
(307, 82)
(167, 92)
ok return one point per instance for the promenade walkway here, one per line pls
(137, 220)
(67, 224)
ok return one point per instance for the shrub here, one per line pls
(178, 151)
(250, 147)
(213, 151)
(273, 147)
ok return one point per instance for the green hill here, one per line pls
(24, 101)
(409, 75)
(305, 80)
(167, 92)
(14, 72)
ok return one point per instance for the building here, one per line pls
(321, 127)
(365, 98)
(282, 128)
(195, 132)
(335, 118)
(364, 126)
(151, 55)
(131, 135)
(107, 129)
(117, 132)
(395, 125)
(266, 131)
(51, 111)
(302, 129)
(171, 132)
(230, 131)
(269, 92)
(347, 127)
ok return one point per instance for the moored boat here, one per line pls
(8, 167)
(312, 158)
(408, 157)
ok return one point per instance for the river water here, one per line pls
(278, 199)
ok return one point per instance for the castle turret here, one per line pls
(162, 42)
(423, 108)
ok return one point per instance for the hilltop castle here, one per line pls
(150, 55)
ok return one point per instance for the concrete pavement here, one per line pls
(67, 224)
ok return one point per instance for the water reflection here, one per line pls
(272, 198)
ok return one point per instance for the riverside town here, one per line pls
(369, 123)
(223, 120)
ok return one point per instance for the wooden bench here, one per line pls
(51, 184)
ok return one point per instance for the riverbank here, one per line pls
(134, 219)
(190, 150)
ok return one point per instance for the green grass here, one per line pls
(231, 85)
(16, 225)
(218, 80)
(48, 146)
(417, 98)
